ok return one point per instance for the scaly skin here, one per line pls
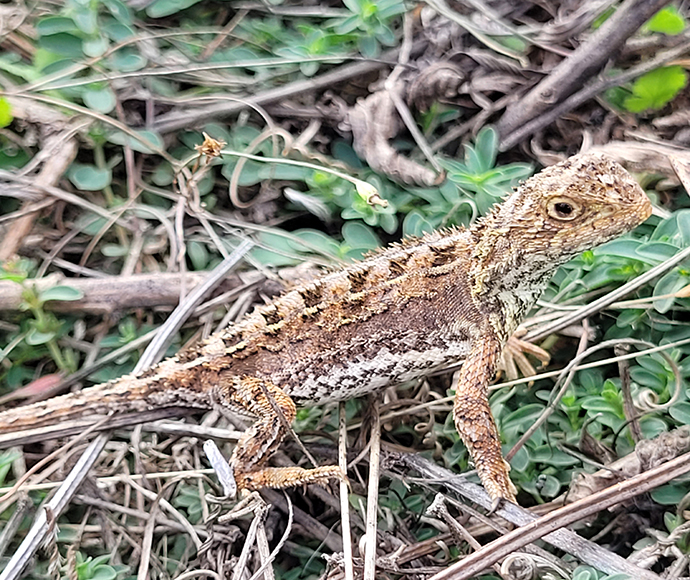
(397, 315)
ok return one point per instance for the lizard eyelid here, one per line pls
(564, 208)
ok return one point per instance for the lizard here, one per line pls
(399, 314)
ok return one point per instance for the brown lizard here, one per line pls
(397, 315)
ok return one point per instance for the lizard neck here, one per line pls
(508, 271)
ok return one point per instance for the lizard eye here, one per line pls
(564, 208)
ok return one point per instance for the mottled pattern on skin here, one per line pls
(407, 310)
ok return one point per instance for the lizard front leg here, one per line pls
(475, 423)
(266, 402)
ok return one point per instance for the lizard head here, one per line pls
(570, 207)
(562, 211)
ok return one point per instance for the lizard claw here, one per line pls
(514, 356)
(282, 477)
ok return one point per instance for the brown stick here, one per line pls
(116, 293)
(573, 72)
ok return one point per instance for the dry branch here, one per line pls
(578, 68)
(586, 551)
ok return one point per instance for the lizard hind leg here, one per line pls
(274, 411)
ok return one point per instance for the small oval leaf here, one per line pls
(89, 177)
(64, 293)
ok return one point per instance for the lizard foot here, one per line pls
(514, 356)
(497, 484)
(282, 477)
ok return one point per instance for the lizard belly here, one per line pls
(346, 379)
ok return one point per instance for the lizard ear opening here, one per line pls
(563, 208)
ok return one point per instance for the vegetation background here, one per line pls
(343, 126)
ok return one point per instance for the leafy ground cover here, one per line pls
(142, 142)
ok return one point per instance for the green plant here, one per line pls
(478, 176)
(6, 459)
(667, 21)
(371, 20)
(313, 42)
(187, 497)
(656, 89)
(89, 568)
(44, 328)
(5, 112)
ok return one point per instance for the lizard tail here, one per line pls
(128, 394)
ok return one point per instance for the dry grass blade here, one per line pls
(42, 525)
(610, 298)
(156, 349)
(370, 537)
(344, 491)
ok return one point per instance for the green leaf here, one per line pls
(622, 248)
(89, 177)
(314, 242)
(161, 8)
(675, 229)
(63, 293)
(657, 251)
(552, 456)
(114, 250)
(140, 145)
(415, 224)
(652, 427)
(6, 116)
(127, 61)
(54, 25)
(369, 46)
(6, 459)
(670, 283)
(50, 63)
(523, 417)
(101, 100)
(550, 486)
(104, 573)
(119, 10)
(681, 412)
(95, 46)
(584, 573)
(655, 89)
(656, 381)
(35, 337)
(669, 494)
(249, 174)
(198, 254)
(117, 31)
(360, 236)
(85, 19)
(520, 460)
(64, 44)
(667, 21)
(486, 146)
